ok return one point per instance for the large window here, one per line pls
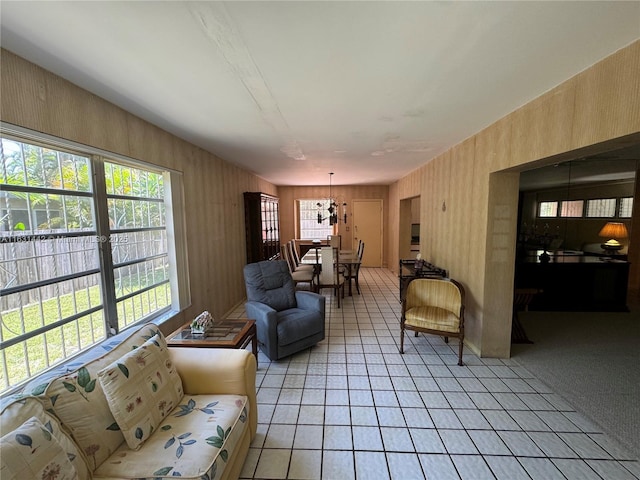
(84, 252)
(595, 208)
(308, 226)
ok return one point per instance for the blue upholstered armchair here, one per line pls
(287, 320)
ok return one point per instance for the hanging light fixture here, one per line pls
(332, 208)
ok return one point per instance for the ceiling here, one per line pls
(294, 90)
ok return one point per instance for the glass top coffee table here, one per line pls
(230, 333)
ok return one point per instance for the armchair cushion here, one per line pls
(270, 283)
(432, 318)
(295, 323)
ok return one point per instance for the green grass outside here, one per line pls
(62, 342)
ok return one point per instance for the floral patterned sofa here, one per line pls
(138, 410)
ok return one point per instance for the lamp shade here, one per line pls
(614, 230)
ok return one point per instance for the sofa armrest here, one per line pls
(218, 370)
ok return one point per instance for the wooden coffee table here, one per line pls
(236, 333)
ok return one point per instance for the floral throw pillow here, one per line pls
(142, 388)
(31, 451)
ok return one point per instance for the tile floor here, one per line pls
(353, 407)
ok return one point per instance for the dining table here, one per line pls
(346, 258)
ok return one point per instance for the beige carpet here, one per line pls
(593, 361)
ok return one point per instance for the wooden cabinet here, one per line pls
(262, 224)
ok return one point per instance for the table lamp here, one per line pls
(613, 231)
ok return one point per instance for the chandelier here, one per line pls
(332, 208)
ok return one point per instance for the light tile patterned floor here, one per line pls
(353, 407)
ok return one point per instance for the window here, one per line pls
(60, 292)
(626, 207)
(601, 207)
(308, 226)
(548, 209)
(571, 208)
(596, 208)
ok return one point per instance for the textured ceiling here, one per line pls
(294, 90)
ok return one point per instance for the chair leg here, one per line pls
(401, 339)
(446, 339)
(460, 352)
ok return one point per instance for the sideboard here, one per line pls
(571, 281)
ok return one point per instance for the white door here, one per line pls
(367, 226)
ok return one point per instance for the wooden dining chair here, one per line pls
(330, 276)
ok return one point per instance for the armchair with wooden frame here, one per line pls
(434, 306)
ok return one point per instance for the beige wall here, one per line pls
(348, 193)
(36, 99)
(474, 237)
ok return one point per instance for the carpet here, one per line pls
(593, 361)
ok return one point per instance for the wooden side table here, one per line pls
(230, 333)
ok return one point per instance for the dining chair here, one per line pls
(330, 276)
(435, 306)
(299, 276)
(335, 241)
(293, 253)
(355, 269)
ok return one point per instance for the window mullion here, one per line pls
(104, 245)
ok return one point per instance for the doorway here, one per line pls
(409, 238)
(367, 226)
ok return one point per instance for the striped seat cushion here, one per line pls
(432, 318)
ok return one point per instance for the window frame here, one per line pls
(179, 296)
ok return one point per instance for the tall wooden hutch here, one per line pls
(262, 223)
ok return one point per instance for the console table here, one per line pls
(411, 269)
